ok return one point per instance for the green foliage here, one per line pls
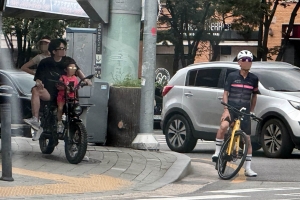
(29, 32)
(160, 85)
(245, 16)
(193, 16)
(128, 81)
(34, 29)
(186, 21)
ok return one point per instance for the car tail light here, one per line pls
(167, 89)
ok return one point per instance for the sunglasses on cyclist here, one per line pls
(246, 59)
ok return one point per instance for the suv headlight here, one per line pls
(295, 104)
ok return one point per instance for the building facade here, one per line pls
(232, 42)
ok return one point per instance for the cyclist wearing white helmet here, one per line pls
(245, 54)
(240, 90)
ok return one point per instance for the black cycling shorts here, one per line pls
(245, 123)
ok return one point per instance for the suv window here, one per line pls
(204, 77)
(228, 71)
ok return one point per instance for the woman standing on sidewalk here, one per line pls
(43, 46)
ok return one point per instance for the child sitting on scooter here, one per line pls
(71, 81)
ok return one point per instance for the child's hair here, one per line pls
(68, 61)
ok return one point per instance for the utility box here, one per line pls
(96, 121)
(82, 48)
(82, 44)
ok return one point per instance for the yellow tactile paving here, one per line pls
(64, 185)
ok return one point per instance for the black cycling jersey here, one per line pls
(240, 89)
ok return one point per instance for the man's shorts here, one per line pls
(245, 123)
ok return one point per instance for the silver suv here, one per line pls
(192, 108)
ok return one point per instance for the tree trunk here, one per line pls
(28, 52)
(259, 40)
(216, 52)
(123, 116)
(268, 20)
(175, 63)
(287, 34)
(19, 44)
(178, 57)
(265, 43)
(198, 36)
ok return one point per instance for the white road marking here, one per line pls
(253, 190)
(291, 194)
(197, 197)
(162, 140)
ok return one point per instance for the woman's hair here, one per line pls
(46, 37)
(55, 43)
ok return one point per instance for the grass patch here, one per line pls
(127, 82)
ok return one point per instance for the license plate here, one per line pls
(157, 117)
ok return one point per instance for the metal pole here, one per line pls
(145, 139)
(5, 129)
(6, 142)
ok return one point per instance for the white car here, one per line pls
(192, 106)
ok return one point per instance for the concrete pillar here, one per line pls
(121, 37)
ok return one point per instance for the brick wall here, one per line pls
(282, 16)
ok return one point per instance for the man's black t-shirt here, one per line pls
(240, 89)
(49, 69)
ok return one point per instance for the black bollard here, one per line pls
(6, 138)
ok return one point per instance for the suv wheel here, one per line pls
(179, 135)
(275, 139)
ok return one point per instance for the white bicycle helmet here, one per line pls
(244, 53)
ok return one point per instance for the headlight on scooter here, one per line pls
(77, 110)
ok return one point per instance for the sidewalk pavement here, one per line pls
(110, 170)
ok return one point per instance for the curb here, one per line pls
(180, 168)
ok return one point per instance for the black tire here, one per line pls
(235, 159)
(76, 145)
(46, 145)
(179, 135)
(275, 139)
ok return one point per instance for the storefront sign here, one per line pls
(99, 39)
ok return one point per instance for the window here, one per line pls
(225, 50)
(191, 77)
(228, 71)
(280, 79)
(204, 77)
(208, 77)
